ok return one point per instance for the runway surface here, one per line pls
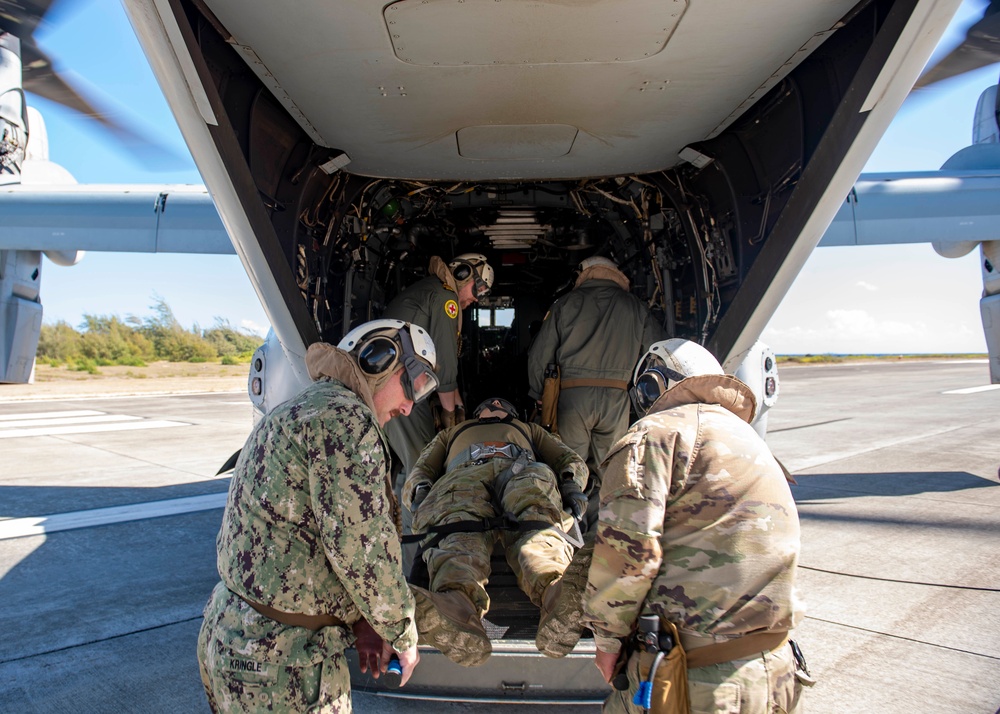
(109, 508)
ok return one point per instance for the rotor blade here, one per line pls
(981, 47)
(41, 78)
(21, 17)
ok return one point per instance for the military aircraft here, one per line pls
(954, 208)
(704, 146)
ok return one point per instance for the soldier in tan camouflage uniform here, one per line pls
(595, 333)
(697, 526)
(308, 552)
(485, 468)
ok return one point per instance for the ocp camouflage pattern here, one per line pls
(470, 492)
(697, 523)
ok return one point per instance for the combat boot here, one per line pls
(559, 627)
(450, 622)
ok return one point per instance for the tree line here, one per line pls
(103, 340)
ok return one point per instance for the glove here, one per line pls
(420, 492)
(447, 418)
(372, 650)
(573, 499)
(459, 413)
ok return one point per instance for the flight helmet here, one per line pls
(472, 266)
(381, 347)
(498, 403)
(664, 365)
(596, 260)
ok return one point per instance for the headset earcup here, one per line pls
(376, 355)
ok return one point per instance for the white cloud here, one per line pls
(866, 286)
(852, 332)
(254, 327)
(859, 324)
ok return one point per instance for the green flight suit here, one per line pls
(308, 529)
(433, 306)
(466, 490)
(596, 331)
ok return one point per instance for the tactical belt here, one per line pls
(310, 622)
(739, 648)
(611, 383)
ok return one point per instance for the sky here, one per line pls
(858, 300)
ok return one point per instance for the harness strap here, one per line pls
(506, 522)
(596, 382)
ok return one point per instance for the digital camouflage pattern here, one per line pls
(309, 528)
(697, 524)
(595, 331)
(250, 663)
(468, 492)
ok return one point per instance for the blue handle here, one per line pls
(644, 696)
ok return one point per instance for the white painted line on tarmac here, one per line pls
(40, 525)
(973, 390)
(66, 421)
(50, 415)
(90, 429)
(65, 397)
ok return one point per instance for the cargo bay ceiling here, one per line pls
(520, 89)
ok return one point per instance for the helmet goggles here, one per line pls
(480, 288)
(418, 378)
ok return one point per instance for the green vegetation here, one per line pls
(108, 340)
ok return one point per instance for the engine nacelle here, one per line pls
(758, 369)
(276, 375)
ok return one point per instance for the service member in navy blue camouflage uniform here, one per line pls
(308, 552)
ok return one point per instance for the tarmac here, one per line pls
(110, 503)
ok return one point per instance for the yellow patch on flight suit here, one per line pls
(451, 309)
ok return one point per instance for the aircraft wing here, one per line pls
(940, 207)
(122, 218)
